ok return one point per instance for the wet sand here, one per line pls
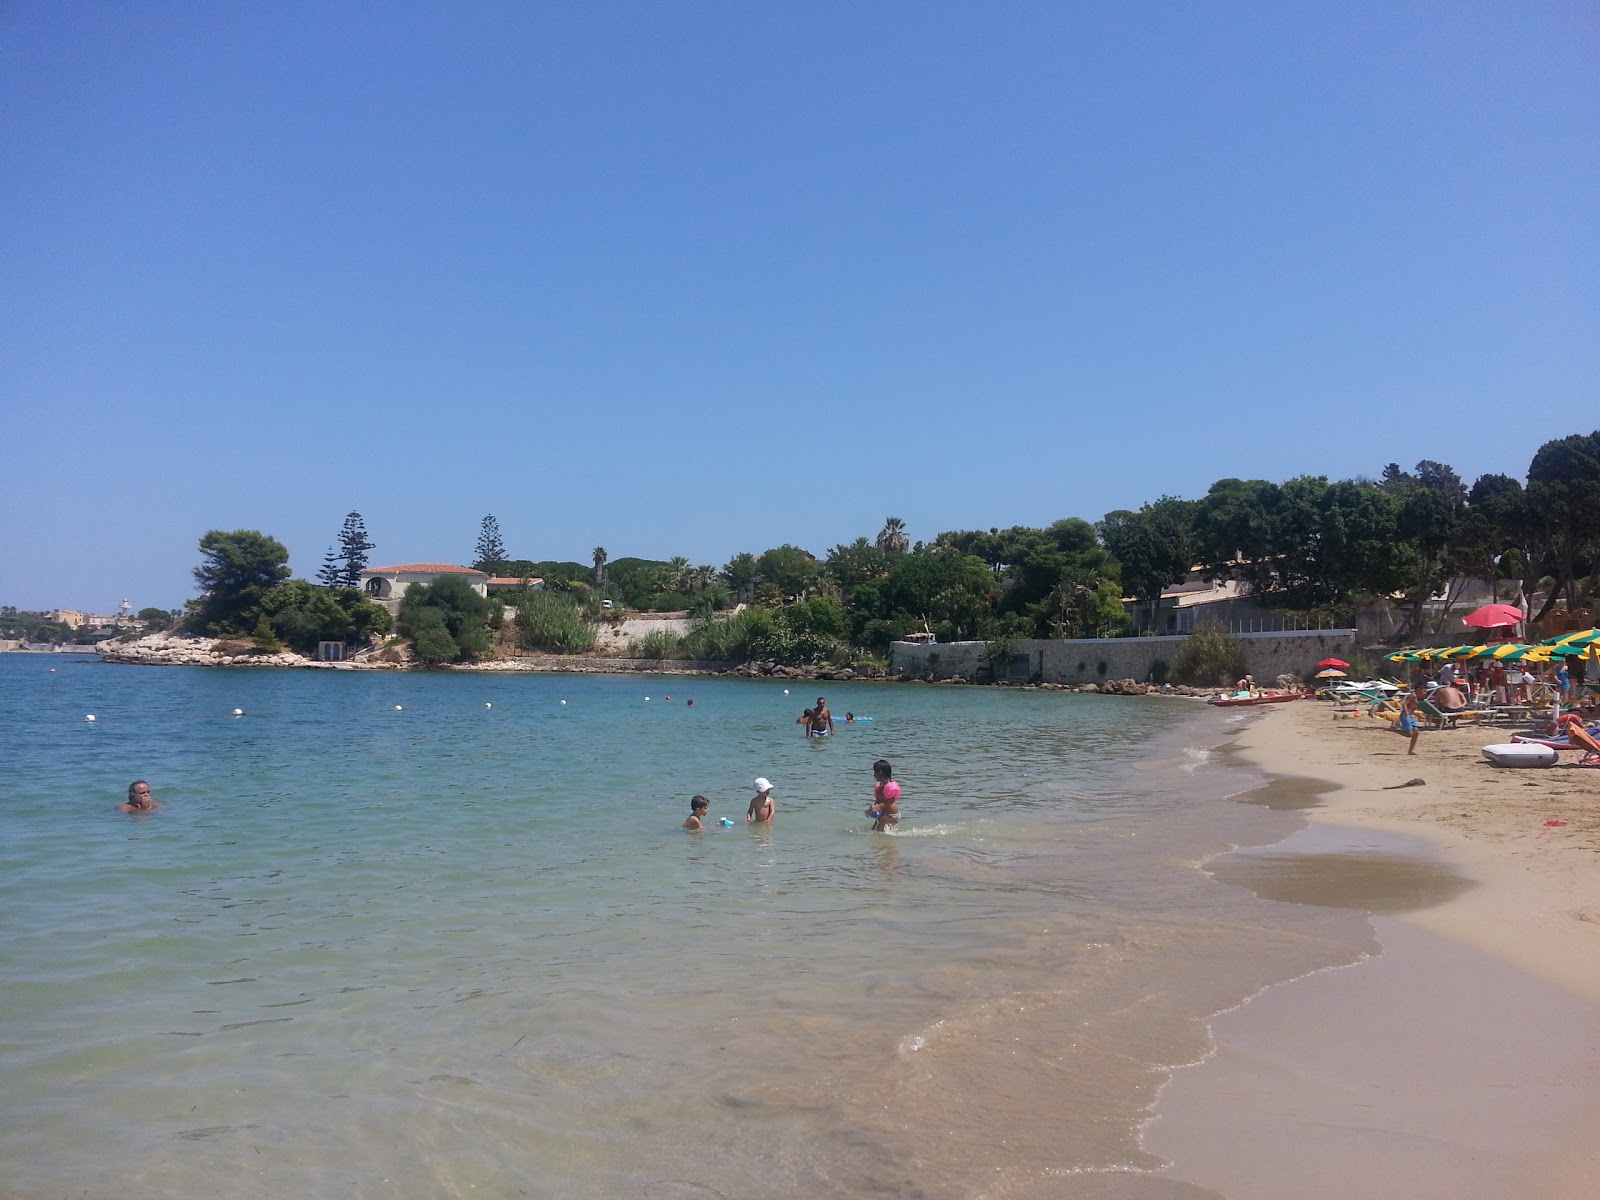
(1464, 1060)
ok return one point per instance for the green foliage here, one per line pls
(430, 639)
(489, 555)
(353, 547)
(1563, 497)
(155, 618)
(557, 576)
(236, 570)
(552, 621)
(1209, 658)
(857, 563)
(1154, 546)
(787, 571)
(446, 620)
(301, 615)
(1161, 671)
(658, 644)
(265, 640)
(732, 639)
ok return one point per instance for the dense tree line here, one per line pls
(1306, 545)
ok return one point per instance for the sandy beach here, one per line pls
(1462, 1061)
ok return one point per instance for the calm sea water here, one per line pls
(439, 934)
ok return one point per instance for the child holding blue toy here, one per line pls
(885, 810)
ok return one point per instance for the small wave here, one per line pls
(1197, 756)
(926, 831)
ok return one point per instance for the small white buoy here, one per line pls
(785, 691)
(647, 699)
(238, 712)
(90, 717)
(486, 704)
(563, 702)
(397, 708)
(52, 670)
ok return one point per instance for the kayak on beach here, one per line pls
(1260, 698)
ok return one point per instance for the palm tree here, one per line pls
(892, 537)
(599, 566)
(676, 576)
(700, 578)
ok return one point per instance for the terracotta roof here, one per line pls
(432, 568)
(514, 580)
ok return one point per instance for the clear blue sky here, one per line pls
(699, 278)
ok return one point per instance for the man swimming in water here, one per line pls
(138, 798)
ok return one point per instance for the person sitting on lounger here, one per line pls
(1447, 698)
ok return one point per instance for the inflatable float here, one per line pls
(1521, 754)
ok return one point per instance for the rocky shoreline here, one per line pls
(173, 649)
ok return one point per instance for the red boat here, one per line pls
(1262, 698)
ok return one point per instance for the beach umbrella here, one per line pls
(1505, 650)
(1583, 637)
(1400, 656)
(1455, 652)
(1338, 663)
(1330, 673)
(1491, 616)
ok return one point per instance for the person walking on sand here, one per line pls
(761, 806)
(1406, 723)
(138, 798)
(885, 809)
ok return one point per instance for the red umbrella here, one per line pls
(1492, 615)
(1336, 663)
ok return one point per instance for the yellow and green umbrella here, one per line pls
(1583, 637)
(1455, 652)
(1504, 650)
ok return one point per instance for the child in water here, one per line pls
(697, 809)
(885, 810)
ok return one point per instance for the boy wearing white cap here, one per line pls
(761, 805)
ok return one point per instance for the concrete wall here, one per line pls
(1090, 660)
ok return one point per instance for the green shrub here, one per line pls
(1209, 658)
(1160, 671)
(732, 639)
(658, 643)
(446, 620)
(551, 621)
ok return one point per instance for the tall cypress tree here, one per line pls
(332, 573)
(491, 551)
(353, 547)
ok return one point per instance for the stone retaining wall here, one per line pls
(1092, 660)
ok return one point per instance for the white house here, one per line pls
(385, 585)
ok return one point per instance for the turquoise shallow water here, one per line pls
(425, 934)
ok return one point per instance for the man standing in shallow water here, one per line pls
(138, 798)
(821, 719)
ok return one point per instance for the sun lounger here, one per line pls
(1445, 718)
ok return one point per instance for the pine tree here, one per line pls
(353, 547)
(332, 573)
(491, 550)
